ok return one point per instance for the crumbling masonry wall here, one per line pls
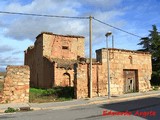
(99, 82)
(120, 60)
(56, 76)
(63, 77)
(44, 74)
(34, 59)
(16, 85)
(62, 46)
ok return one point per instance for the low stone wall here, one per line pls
(16, 85)
(99, 81)
(130, 71)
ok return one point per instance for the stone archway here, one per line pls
(66, 79)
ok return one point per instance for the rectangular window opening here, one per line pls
(65, 47)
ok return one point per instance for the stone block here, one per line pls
(20, 84)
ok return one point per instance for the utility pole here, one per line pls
(90, 56)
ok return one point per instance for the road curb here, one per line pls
(107, 101)
(124, 99)
(98, 102)
(58, 107)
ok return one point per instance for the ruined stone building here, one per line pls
(58, 60)
(130, 71)
(51, 59)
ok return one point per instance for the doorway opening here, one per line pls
(130, 81)
(66, 80)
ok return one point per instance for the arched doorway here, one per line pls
(66, 79)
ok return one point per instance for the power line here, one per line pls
(116, 28)
(71, 17)
(42, 15)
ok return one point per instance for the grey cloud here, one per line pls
(29, 27)
(4, 61)
(33, 26)
(39, 6)
(5, 48)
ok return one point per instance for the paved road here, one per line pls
(148, 108)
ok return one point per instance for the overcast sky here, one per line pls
(18, 32)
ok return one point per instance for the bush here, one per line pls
(10, 110)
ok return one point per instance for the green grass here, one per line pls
(51, 95)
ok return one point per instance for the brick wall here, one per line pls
(63, 77)
(120, 60)
(48, 73)
(38, 59)
(30, 61)
(16, 85)
(48, 44)
(63, 47)
(99, 81)
(34, 59)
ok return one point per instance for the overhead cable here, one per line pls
(42, 15)
(71, 17)
(116, 28)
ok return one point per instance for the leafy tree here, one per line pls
(152, 44)
(146, 44)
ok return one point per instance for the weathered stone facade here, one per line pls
(16, 85)
(43, 59)
(122, 63)
(58, 60)
(82, 80)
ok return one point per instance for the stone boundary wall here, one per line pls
(120, 60)
(16, 85)
(99, 81)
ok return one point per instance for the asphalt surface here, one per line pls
(80, 102)
(140, 109)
